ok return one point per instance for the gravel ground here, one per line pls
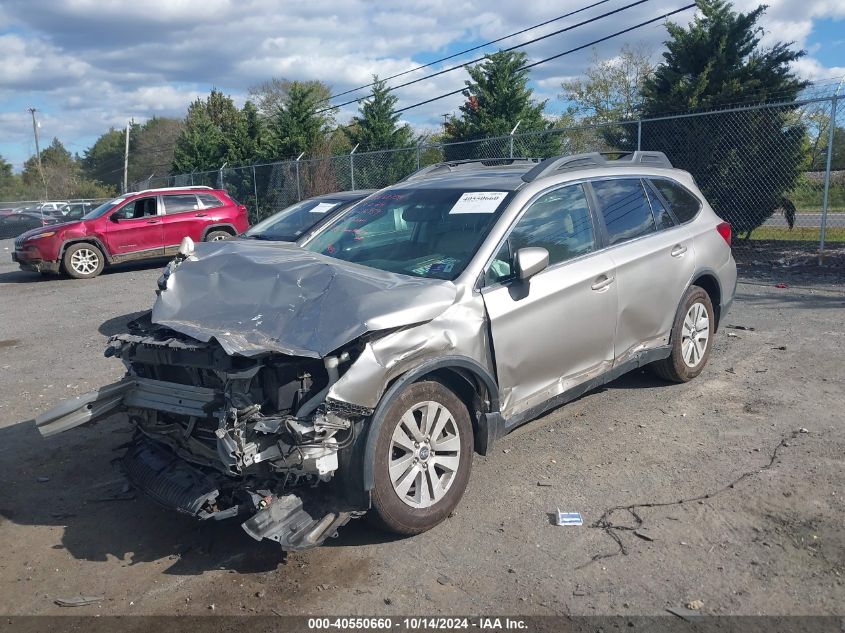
(735, 505)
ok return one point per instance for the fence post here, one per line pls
(298, 187)
(639, 134)
(220, 175)
(255, 192)
(418, 155)
(511, 135)
(831, 128)
(352, 166)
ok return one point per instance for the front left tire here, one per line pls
(83, 261)
(423, 459)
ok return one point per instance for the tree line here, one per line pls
(716, 60)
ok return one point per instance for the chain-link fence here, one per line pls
(775, 171)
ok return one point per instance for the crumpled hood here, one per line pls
(255, 297)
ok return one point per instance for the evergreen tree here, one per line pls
(377, 128)
(297, 125)
(211, 135)
(744, 162)
(497, 97)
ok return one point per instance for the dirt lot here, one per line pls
(739, 508)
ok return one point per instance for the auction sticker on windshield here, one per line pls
(478, 202)
(323, 207)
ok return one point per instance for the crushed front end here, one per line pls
(218, 436)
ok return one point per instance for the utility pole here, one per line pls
(126, 159)
(32, 111)
(445, 116)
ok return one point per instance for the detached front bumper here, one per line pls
(295, 521)
(298, 519)
(28, 262)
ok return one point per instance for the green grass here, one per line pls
(798, 234)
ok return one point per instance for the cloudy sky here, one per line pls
(88, 65)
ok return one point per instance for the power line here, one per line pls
(468, 50)
(571, 50)
(478, 59)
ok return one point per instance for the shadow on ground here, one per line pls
(27, 276)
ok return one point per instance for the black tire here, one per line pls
(83, 260)
(214, 236)
(675, 368)
(389, 511)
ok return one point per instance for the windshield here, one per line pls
(289, 224)
(421, 232)
(102, 209)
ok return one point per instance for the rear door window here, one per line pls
(684, 205)
(625, 208)
(180, 203)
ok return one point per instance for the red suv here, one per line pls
(142, 225)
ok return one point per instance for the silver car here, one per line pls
(301, 385)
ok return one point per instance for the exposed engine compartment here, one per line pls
(218, 436)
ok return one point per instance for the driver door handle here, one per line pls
(199, 215)
(152, 221)
(602, 282)
(678, 250)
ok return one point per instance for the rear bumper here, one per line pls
(727, 280)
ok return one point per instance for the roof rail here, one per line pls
(595, 159)
(170, 189)
(450, 166)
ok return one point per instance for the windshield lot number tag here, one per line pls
(323, 207)
(478, 202)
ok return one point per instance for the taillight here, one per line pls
(724, 230)
(242, 208)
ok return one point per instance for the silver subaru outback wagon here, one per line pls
(298, 386)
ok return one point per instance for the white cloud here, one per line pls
(92, 64)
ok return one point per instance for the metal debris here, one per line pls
(78, 601)
(569, 518)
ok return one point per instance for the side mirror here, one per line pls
(114, 217)
(530, 261)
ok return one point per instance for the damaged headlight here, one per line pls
(186, 251)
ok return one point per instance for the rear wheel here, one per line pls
(217, 236)
(423, 459)
(692, 338)
(83, 261)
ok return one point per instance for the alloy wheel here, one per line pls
(425, 454)
(85, 261)
(695, 334)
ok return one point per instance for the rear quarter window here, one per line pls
(684, 205)
(209, 201)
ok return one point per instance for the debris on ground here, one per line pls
(78, 601)
(740, 327)
(781, 285)
(803, 430)
(695, 604)
(685, 614)
(569, 518)
(43, 479)
(117, 497)
(643, 534)
(545, 484)
(732, 335)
